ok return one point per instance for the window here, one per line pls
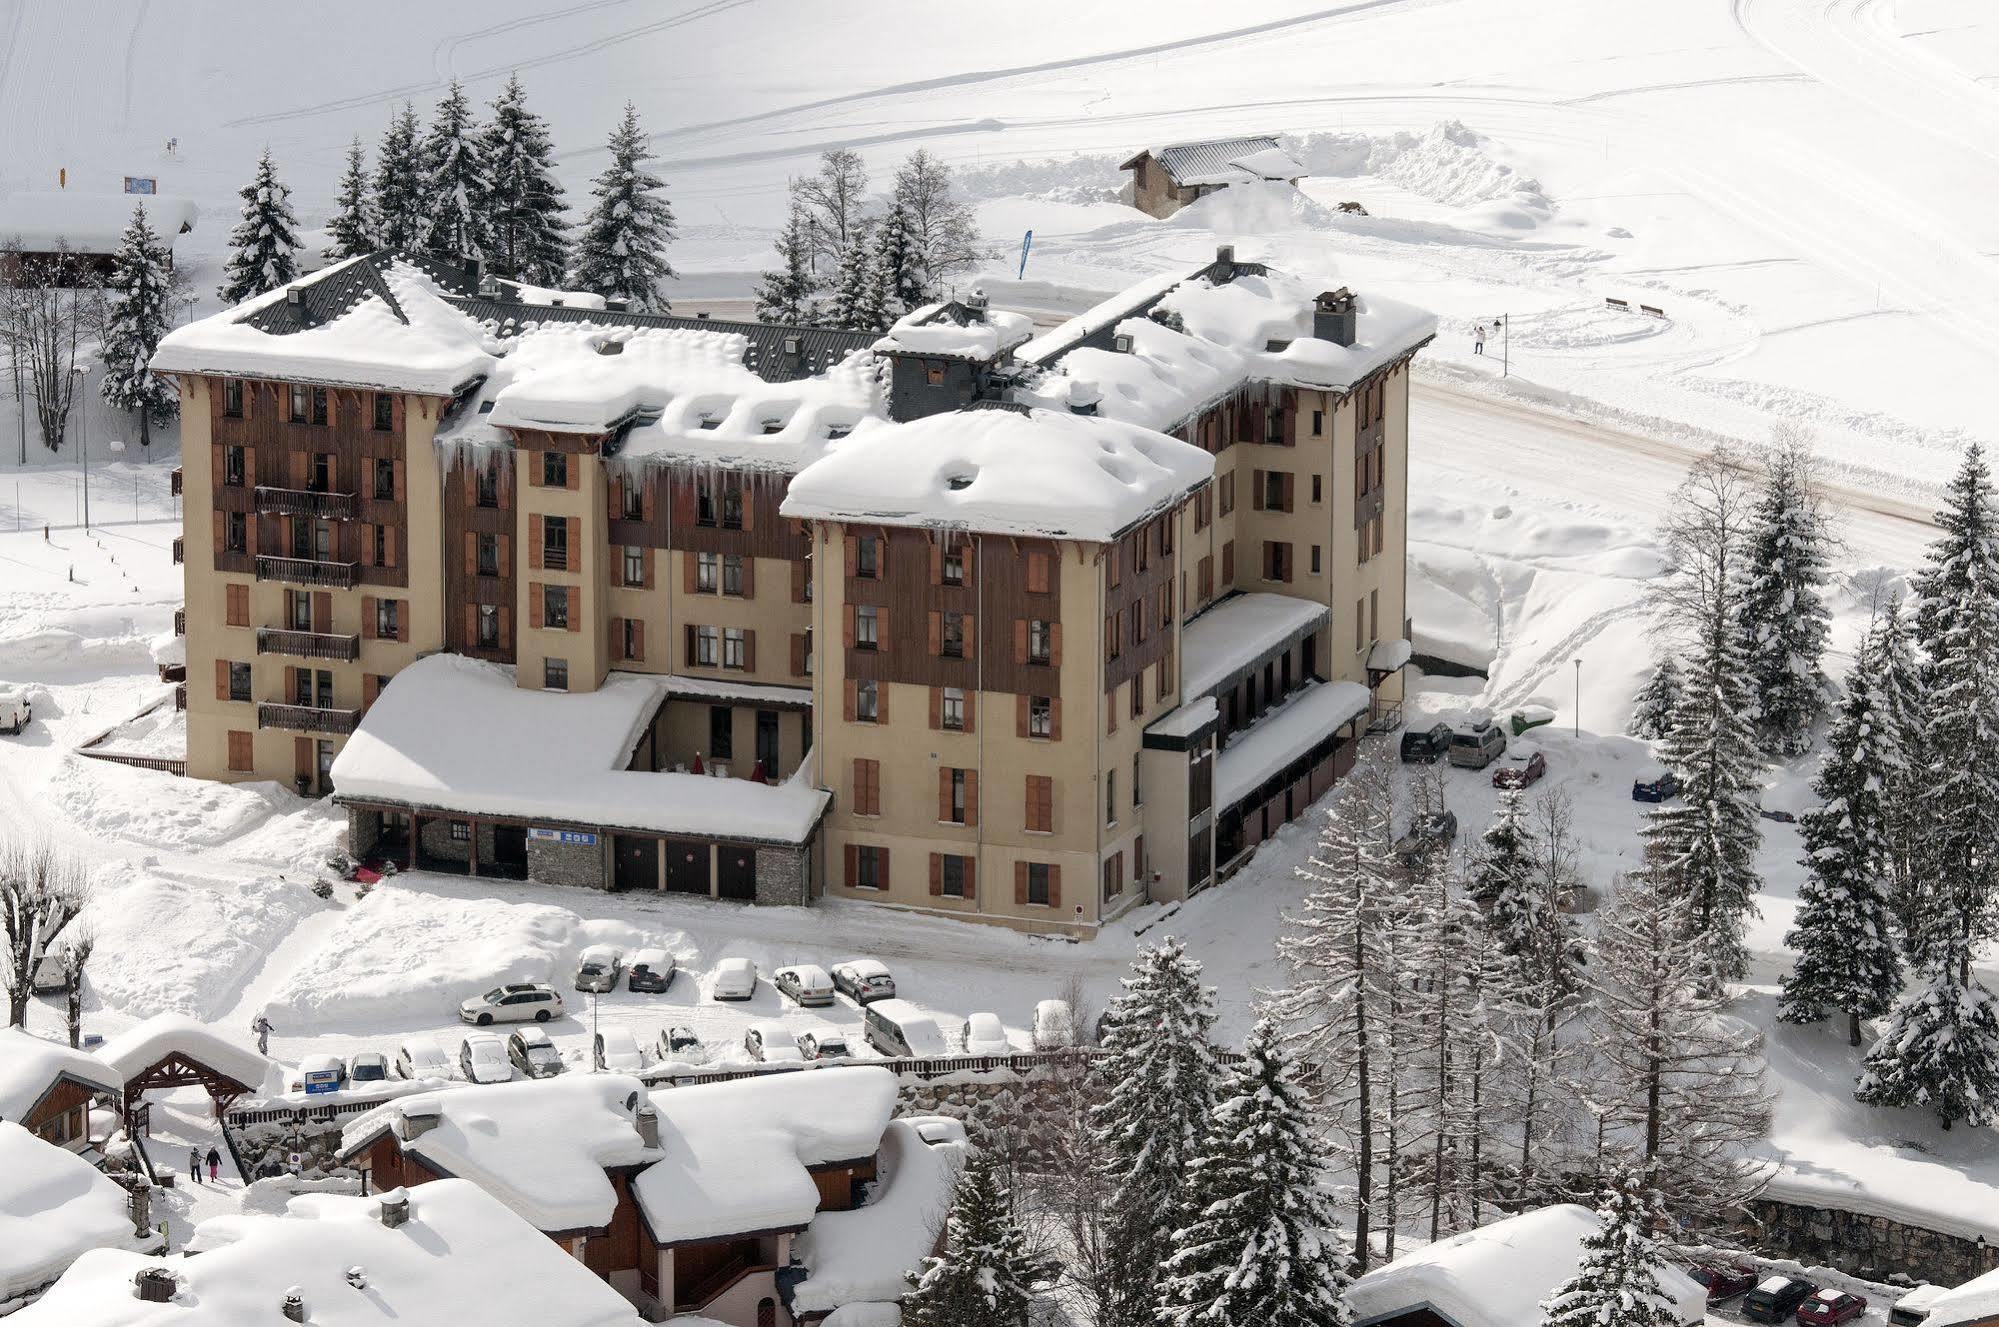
(721, 732)
(1273, 426)
(232, 405)
(385, 411)
(1276, 561)
(1040, 716)
(805, 660)
(1201, 501)
(235, 533)
(388, 613)
(1318, 489)
(555, 674)
(555, 607)
(308, 404)
(239, 751)
(933, 372)
(1144, 548)
(867, 701)
(298, 610)
(232, 466)
(867, 557)
(867, 627)
(1138, 696)
(957, 807)
(952, 567)
(1228, 492)
(489, 627)
(1166, 604)
(732, 508)
(1040, 804)
(554, 470)
(734, 652)
(635, 565)
(951, 709)
(867, 787)
(732, 574)
(239, 681)
(1038, 892)
(635, 500)
(952, 642)
(634, 641)
(1318, 426)
(707, 646)
(1315, 559)
(1374, 615)
(952, 870)
(707, 569)
(1113, 875)
(555, 541)
(869, 868)
(1204, 577)
(461, 831)
(385, 479)
(487, 482)
(1110, 798)
(1274, 490)
(1038, 640)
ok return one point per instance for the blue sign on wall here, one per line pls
(576, 837)
(141, 184)
(318, 1081)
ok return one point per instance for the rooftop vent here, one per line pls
(294, 1305)
(701, 316)
(1334, 317)
(474, 273)
(611, 347)
(555, 302)
(958, 483)
(295, 296)
(395, 1208)
(357, 1277)
(835, 432)
(793, 345)
(617, 303)
(648, 1124)
(1083, 397)
(1121, 343)
(1276, 345)
(414, 1119)
(155, 1285)
(711, 421)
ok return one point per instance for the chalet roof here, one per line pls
(325, 296)
(53, 1206)
(89, 223)
(31, 1065)
(954, 329)
(1219, 160)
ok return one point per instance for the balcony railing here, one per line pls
(174, 481)
(305, 502)
(308, 644)
(307, 571)
(180, 622)
(178, 543)
(555, 559)
(307, 718)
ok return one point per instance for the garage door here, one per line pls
(686, 866)
(635, 863)
(736, 871)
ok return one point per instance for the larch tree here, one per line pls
(834, 202)
(352, 231)
(401, 208)
(456, 183)
(986, 1274)
(1259, 1245)
(1657, 701)
(1843, 934)
(264, 245)
(896, 281)
(1785, 621)
(784, 295)
(1535, 990)
(525, 203)
(944, 233)
(621, 249)
(1502, 874)
(1616, 1281)
(138, 310)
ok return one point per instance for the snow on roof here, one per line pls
(87, 222)
(1238, 632)
(1385, 656)
(1040, 472)
(1268, 163)
(457, 734)
(431, 348)
(958, 331)
(1209, 161)
(527, 294)
(168, 649)
(1188, 719)
(1250, 312)
(863, 1255)
(1284, 734)
(1974, 1301)
(541, 1146)
(1497, 1275)
(737, 1152)
(461, 1257)
(54, 1205)
(30, 1066)
(145, 1044)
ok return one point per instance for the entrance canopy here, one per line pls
(171, 1051)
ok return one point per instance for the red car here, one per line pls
(1830, 1307)
(1721, 1280)
(1524, 766)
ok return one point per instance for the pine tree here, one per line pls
(1653, 710)
(455, 182)
(621, 252)
(1898, 689)
(264, 243)
(525, 203)
(985, 1276)
(1259, 1245)
(352, 229)
(944, 234)
(1843, 938)
(1616, 1281)
(1158, 1077)
(896, 284)
(138, 312)
(854, 290)
(402, 214)
(1785, 621)
(1940, 1048)
(1502, 873)
(785, 293)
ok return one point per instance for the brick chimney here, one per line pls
(1334, 317)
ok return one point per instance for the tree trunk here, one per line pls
(1853, 1027)
(1364, 1106)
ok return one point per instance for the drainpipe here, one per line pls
(979, 700)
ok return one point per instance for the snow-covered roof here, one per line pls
(1268, 163)
(1305, 719)
(168, 649)
(417, 343)
(145, 1044)
(1238, 632)
(30, 1066)
(1188, 719)
(1385, 656)
(87, 222)
(1213, 161)
(1497, 1275)
(862, 1255)
(736, 1153)
(1040, 472)
(541, 1146)
(1976, 1300)
(54, 1205)
(956, 331)
(461, 1257)
(457, 734)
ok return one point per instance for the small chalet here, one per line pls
(1166, 179)
(54, 1207)
(48, 1088)
(80, 231)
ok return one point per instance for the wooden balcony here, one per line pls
(307, 719)
(180, 622)
(178, 542)
(308, 644)
(306, 571)
(306, 502)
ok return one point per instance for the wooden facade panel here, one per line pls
(1141, 588)
(995, 597)
(463, 521)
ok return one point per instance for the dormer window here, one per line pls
(773, 425)
(835, 432)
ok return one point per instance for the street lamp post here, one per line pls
(1579, 696)
(82, 438)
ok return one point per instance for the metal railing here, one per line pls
(308, 644)
(307, 718)
(306, 502)
(180, 622)
(178, 543)
(308, 571)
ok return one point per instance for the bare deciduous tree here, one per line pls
(76, 952)
(41, 893)
(47, 307)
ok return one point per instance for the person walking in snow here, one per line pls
(194, 1165)
(1478, 339)
(214, 1166)
(262, 1027)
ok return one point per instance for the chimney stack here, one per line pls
(474, 270)
(648, 1122)
(1121, 343)
(395, 1208)
(1334, 317)
(417, 1118)
(1083, 397)
(294, 1305)
(155, 1285)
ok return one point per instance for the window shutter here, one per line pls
(750, 493)
(1020, 884)
(851, 854)
(322, 610)
(971, 797)
(389, 544)
(646, 489)
(943, 793)
(687, 644)
(1021, 706)
(936, 578)
(749, 577)
(1055, 719)
(471, 637)
(302, 757)
(1290, 489)
(967, 554)
(1256, 490)
(936, 707)
(506, 564)
(1228, 562)
(215, 465)
(936, 874)
(645, 566)
(396, 469)
(750, 651)
(291, 685)
(881, 703)
(367, 558)
(1289, 562)
(881, 855)
(798, 654)
(847, 701)
(368, 617)
(639, 640)
(617, 637)
(506, 628)
(216, 521)
(847, 628)
(222, 679)
(614, 498)
(371, 687)
(971, 711)
(853, 556)
(936, 633)
(1037, 573)
(534, 607)
(1054, 886)
(971, 636)
(574, 594)
(403, 620)
(1020, 640)
(572, 473)
(471, 553)
(1055, 644)
(689, 575)
(971, 877)
(534, 542)
(799, 568)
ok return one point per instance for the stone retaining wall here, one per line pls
(1871, 1247)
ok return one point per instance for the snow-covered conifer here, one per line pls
(1653, 709)
(1502, 874)
(138, 312)
(621, 250)
(785, 293)
(1258, 1246)
(944, 233)
(456, 184)
(525, 203)
(1616, 1281)
(1898, 687)
(402, 213)
(854, 303)
(985, 1276)
(352, 230)
(1940, 1047)
(1785, 621)
(896, 284)
(264, 245)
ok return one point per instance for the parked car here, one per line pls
(1656, 786)
(1830, 1307)
(368, 1067)
(521, 1002)
(1054, 1025)
(678, 1043)
(15, 709)
(1477, 744)
(1776, 1298)
(1722, 1280)
(1523, 768)
(1912, 1308)
(533, 1054)
(420, 1057)
(616, 1051)
(983, 1035)
(897, 1027)
(1426, 747)
(482, 1058)
(651, 971)
(321, 1073)
(770, 1041)
(1434, 831)
(598, 968)
(863, 980)
(805, 983)
(824, 1044)
(735, 979)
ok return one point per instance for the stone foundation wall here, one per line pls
(781, 877)
(580, 865)
(1001, 1112)
(1872, 1247)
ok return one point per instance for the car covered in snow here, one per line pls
(1426, 746)
(616, 1051)
(984, 1035)
(1054, 1025)
(651, 971)
(1476, 744)
(773, 1043)
(679, 1042)
(1655, 786)
(598, 968)
(1776, 1298)
(420, 1057)
(531, 1053)
(1523, 768)
(16, 709)
(1722, 1280)
(1431, 833)
(1829, 1307)
(1912, 1308)
(482, 1058)
(899, 1028)
(320, 1073)
(367, 1067)
(805, 983)
(864, 980)
(734, 979)
(824, 1044)
(520, 1002)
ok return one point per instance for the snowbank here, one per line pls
(145, 1044)
(1240, 630)
(863, 1255)
(31, 1065)
(54, 1205)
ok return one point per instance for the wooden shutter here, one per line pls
(302, 757)
(396, 469)
(645, 563)
(367, 558)
(749, 493)
(215, 465)
(646, 487)
(572, 473)
(846, 699)
(936, 707)
(971, 877)
(534, 606)
(687, 645)
(471, 553)
(403, 620)
(1290, 489)
(639, 640)
(1022, 708)
(617, 635)
(971, 711)
(322, 610)
(965, 557)
(367, 617)
(1020, 640)
(798, 654)
(1256, 490)
(1055, 644)
(471, 637)
(506, 628)
(971, 797)
(1020, 884)
(371, 687)
(971, 636)
(936, 873)
(750, 651)
(216, 520)
(847, 627)
(574, 594)
(250, 467)
(690, 582)
(944, 793)
(936, 578)
(534, 542)
(1228, 562)
(1037, 572)
(1054, 886)
(1055, 719)
(881, 702)
(749, 577)
(881, 859)
(853, 544)
(882, 634)
(506, 562)
(614, 498)
(851, 854)
(936, 633)
(222, 679)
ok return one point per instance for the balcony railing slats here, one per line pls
(307, 571)
(308, 644)
(307, 718)
(306, 502)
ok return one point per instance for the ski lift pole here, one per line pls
(1026, 243)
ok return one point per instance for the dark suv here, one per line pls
(1776, 1298)
(1426, 747)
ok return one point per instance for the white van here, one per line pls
(899, 1028)
(15, 709)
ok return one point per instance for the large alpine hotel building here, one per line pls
(1022, 630)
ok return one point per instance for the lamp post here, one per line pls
(82, 438)
(1579, 696)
